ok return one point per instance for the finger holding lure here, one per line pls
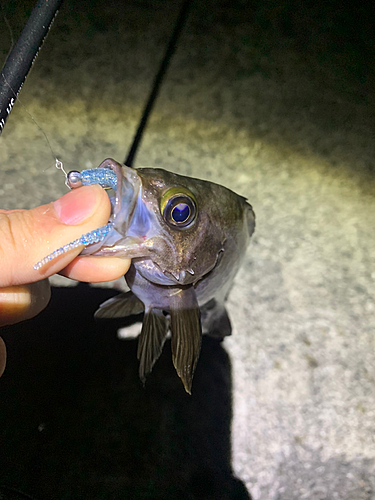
(186, 238)
(24, 293)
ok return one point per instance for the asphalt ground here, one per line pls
(275, 101)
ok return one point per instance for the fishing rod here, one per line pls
(23, 55)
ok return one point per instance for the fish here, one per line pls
(186, 239)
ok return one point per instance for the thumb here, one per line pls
(27, 236)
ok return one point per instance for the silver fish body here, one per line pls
(186, 238)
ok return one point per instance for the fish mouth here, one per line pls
(154, 273)
(128, 185)
(188, 276)
(152, 269)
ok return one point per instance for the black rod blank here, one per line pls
(23, 54)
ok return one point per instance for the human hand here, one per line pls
(26, 236)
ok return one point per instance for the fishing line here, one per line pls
(170, 50)
(58, 164)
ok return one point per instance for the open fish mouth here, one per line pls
(126, 187)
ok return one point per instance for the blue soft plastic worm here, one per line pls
(106, 178)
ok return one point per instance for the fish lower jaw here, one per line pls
(157, 274)
(181, 277)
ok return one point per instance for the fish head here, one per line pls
(184, 241)
(166, 221)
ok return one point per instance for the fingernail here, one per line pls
(77, 205)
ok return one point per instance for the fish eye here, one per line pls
(178, 207)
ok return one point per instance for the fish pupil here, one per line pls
(181, 212)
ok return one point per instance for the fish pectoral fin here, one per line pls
(186, 334)
(124, 304)
(215, 320)
(151, 340)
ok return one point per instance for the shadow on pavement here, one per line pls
(76, 421)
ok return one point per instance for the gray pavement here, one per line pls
(287, 124)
